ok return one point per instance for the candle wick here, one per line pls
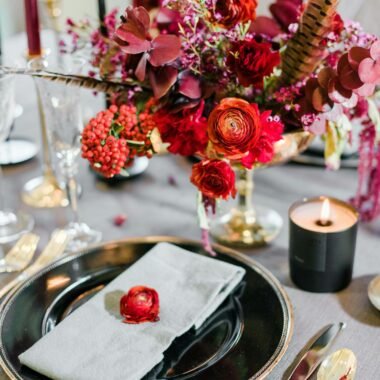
(324, 223)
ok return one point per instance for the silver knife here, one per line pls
(311, 356)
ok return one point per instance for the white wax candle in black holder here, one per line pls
(322, 240)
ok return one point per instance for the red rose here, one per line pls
(228, 13)
(140, 304)
(214, 178)
(186, 131)
(234, 127)
(252, 61)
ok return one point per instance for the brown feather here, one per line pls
(304, 51)
(105, 86)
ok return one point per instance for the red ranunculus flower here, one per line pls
(234, 127)
(186, 131)
(252, 61)
(228, 13)
(214, 178)
(140, 304)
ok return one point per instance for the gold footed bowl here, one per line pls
(44, 192)
(246, 225)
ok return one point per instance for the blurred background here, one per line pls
(12, 12)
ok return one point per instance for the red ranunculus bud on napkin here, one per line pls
(140, 304)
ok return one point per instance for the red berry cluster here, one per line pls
(106, 153)
(105, 138)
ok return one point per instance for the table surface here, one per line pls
(154, 207)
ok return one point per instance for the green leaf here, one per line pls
(116, 128)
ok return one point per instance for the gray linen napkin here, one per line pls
(93, 343)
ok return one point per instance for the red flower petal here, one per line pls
(161, 79)
(165, 49)
(140, 304)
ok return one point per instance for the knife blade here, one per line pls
(312, 354)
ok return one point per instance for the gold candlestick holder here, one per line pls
(44, 191)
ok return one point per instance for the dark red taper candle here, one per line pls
(32, 27)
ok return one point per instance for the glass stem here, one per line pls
(245, 187)
(72, 193)
(46, 155)
(2, 191)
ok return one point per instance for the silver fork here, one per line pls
(54, 249)
(20, 254)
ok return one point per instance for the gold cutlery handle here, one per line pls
(54, 248)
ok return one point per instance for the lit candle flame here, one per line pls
(325, 212)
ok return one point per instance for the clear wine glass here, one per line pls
(64, 123)
(12, 224)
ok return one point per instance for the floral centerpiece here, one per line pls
(211, 78)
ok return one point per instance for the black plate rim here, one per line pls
(284, 299)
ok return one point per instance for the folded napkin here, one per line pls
(93, 343)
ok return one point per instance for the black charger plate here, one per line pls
(244, 339)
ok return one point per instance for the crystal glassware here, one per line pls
(12, 224)
(64, 124)
(44, 191)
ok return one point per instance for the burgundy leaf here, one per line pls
(165, 49)
(162, 79)
(266, 26)
(348, 77)
(147, 4)
(189, 85)
(131, 35)
(311, 85)
(131, 44)
(285, 12)
(325, 75)
(136, 21)
(321, 102)
(141, 68)
(356, 55)
(337, 92)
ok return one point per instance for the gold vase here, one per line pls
(246, 225)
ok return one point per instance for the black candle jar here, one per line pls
(322, 248)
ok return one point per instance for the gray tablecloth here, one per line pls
(156, 208)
